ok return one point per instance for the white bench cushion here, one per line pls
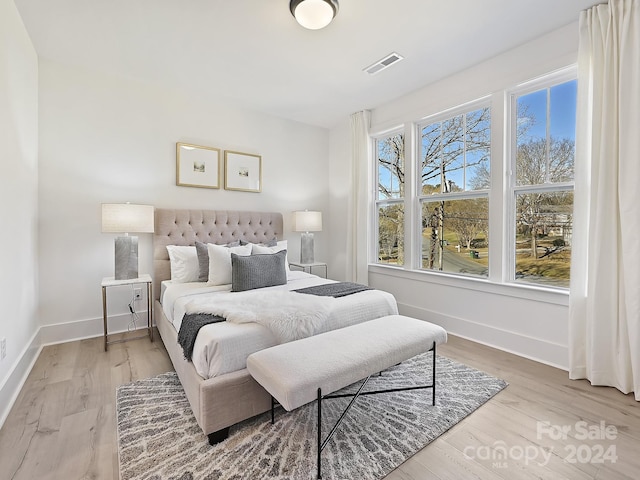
(292, 372)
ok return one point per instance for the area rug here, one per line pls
(159, 439)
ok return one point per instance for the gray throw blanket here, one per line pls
(336, 290)
(189, 328)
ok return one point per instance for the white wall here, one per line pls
(528, 322)
(340, 193)
(110, 139)
(18, 201)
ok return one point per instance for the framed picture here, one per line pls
(197, 166)
(242, 171)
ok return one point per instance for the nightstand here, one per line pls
(307, 267)
(111, 282)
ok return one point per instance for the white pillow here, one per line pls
(184, 263)
(261, 249)
(220, 262)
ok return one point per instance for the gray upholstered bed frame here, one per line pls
(225, 400)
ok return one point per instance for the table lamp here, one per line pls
(126, 218)
(307, 222)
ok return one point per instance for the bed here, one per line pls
(217, 384)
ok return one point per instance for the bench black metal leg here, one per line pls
(322, 444)
(319, 433)
(433, 378)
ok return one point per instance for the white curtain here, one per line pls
(604, 313)
(358, 235)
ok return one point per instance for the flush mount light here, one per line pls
(314, 14)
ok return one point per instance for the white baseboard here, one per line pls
(50, 335)
(536, 349)
(18, 374)
(89, 328)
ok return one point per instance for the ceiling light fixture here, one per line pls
(314, 14)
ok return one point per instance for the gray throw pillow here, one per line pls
(203, 259)
(258, 271)
(269, 243)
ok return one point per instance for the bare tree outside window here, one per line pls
(455, 155)
(544, 166)
(390, 203)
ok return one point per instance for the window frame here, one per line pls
(378, 202)
(440, 117)
(512, 190)
(501, 197)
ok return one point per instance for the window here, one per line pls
(390, 199)
(543, 128)
(453, 209)
(454, 192)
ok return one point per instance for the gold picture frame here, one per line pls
(242, 171)
(197, 166)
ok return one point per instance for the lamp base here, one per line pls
(126, 258)
(306, 248)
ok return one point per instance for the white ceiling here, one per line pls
(253, 54)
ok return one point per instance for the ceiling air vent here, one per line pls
(384, 63)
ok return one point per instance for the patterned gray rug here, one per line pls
(158, 438)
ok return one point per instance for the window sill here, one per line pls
(522, 291)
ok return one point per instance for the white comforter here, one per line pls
(224, 347)
(289, 315)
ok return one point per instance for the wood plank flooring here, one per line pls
(63, 424)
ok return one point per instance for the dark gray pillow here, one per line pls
(269, 243)
(258, 271)
(203, 259)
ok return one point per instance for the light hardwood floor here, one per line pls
(63, 424)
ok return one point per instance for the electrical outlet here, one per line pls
(3, 348)
(137, 293)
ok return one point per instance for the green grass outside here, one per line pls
(556, 265)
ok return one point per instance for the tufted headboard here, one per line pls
(184, 227)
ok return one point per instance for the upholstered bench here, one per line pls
(312, 368)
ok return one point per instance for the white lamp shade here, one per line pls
(127, 218)
(307, 221)
(314, 14)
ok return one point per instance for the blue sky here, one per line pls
(563, 111)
